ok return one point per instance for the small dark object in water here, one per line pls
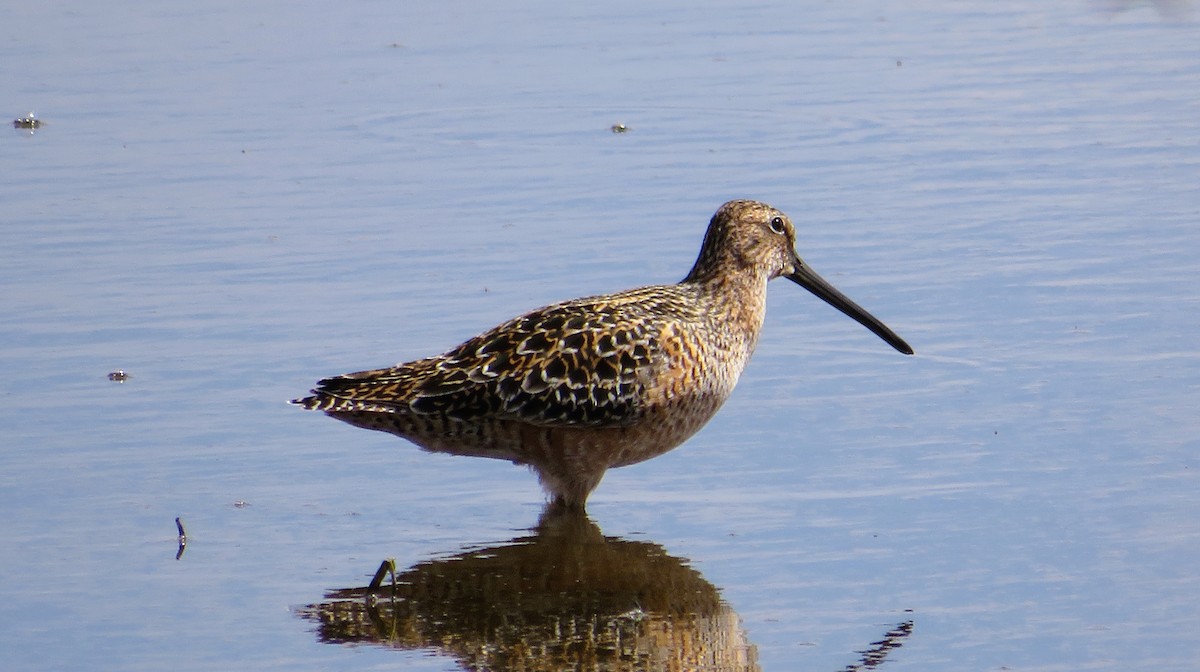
(118, 376)
(182, 538)
(619, 128)
(29, 122)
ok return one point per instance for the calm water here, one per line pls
(229, 201)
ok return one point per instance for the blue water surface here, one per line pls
(228, 201)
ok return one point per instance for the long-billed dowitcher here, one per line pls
(578, 387)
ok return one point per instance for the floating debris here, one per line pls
(118, 376)
(29, 121)
(619, 128)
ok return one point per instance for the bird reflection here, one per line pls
(566, 597)
(563, 597)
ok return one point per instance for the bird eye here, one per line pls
(777, 224)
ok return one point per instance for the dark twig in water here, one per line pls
(386, 568)
(182, 538)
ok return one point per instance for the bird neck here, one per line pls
(738, 301)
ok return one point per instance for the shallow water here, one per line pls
(228, 202)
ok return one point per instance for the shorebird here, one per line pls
(579, 387)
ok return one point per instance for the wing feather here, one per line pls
(582, 363)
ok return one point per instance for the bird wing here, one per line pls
(581, 363)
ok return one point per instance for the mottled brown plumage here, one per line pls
(576, 388)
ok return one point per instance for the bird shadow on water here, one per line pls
(563, 597)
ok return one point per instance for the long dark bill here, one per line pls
(808, 279)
